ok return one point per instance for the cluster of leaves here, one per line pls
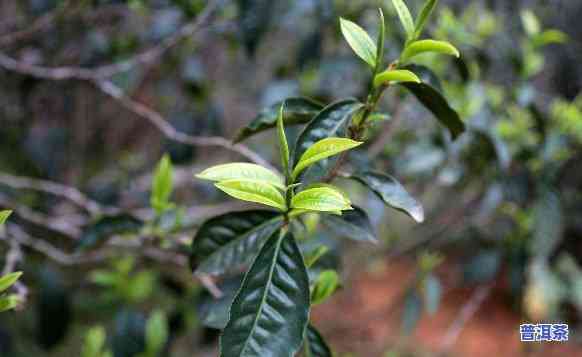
(8, 302)
(269, 315)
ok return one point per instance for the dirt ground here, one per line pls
(363, 320)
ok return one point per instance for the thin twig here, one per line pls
(53, 188)
(156, 119)
(467, 312)
(148, 56)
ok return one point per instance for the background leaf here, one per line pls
(434, 101)
(270, 312)
(422, 18)
(254, 20)
(297, 111)
(162, 185)
(9, 279)
(325, 285)
(353, 224)
(231, 240)
(4, 216)
(97, 233)
(391, 192)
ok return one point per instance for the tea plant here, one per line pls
(270, 313)
(7, 302)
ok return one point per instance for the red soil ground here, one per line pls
(364, 320)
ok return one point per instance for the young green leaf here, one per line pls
(313, 256)
(227, 242)
(331, 121)
(297, 111)
(270, 312)
(323, 199)
(315, 345)
(8, 280)
(530, 22)
(9, 302)
(359, 41)
(4, 216)
(380, 42)
(283, 145)
(405, 17)
(422, 18)
(326, 284)
(436, 103)
(353, 224)
(391, 192)
(162, 185)
(395, 75)
(423, 46)
(253, 191)
(156, 333)
(242, 171)
(548, 37)
(321, 150)
(94, 342)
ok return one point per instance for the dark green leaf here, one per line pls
(297, 111)
(412, 311)
(254, 20)
(548, 223)
(213, 312)
(105, 227)
(231, 240)
(391, 192)
(270, 312)
(353, 224)
(432, 293)
(315, 345)
(332, 121)
(426, 75)
(129, 334)
(434, 101)
(54, 310)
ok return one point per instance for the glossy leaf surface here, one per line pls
(241, 171)
(297, 111)
(315, 345)
(270, 312)
(231, 240)
(392, 193)
(436, 103)
(353, 224)
(97, 233)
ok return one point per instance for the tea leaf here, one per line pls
(253, 191)
(315, 345)
(8, 280)
(326, 284)
(395, 75)
(321, 199)
(421, 20)
(162, 185)
(359, 41)
(353, 224)
(405, 17)
(423, 46)
(321, 150)
(283, 145)
(242, 171)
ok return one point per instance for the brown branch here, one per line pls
(157, 120)
(466, 313)
(148, 56)
(53, 188)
